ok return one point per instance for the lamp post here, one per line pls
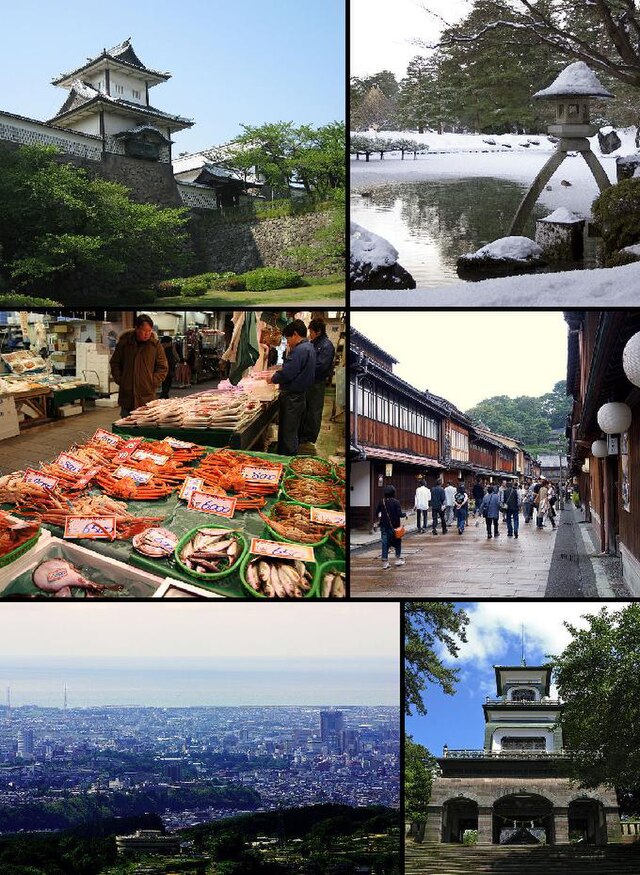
(570, 93)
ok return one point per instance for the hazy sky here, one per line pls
(381, 32)
(229, 630)
(494, 638)
(244, 62)
(469, 355)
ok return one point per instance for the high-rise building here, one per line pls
(332, 730)
(25, 743)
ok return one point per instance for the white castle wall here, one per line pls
(28, 132)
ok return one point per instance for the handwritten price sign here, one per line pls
(40, 479)
(261, 475)
(327, 517)
(90, 527)
(191, 484)
(278, 550)
(87, 476)
(69, 463)
(156, 458)
(207, 503)
(128, 448)
(178, 445)
(136, 476)
(106, 437)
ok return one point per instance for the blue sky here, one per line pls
(245, 62)
(494, 638)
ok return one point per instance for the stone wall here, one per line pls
(242, 246)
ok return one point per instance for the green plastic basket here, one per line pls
(217, 575)
(331, 565)
(326, 462)
(337, 476)
(283, 491)
(10, 557)
(312, 594)
(287, 540)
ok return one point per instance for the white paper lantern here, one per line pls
(614, 418)
(585, 467)
(631, 359)
(599, 449)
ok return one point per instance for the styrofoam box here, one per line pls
(107, 402)
(70, 409)
(82, 558)
(178, 589)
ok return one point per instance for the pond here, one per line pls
(432, 223)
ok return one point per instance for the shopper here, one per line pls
(450, 501)
(325, 355)
(390, 514)
(461, 507)
(138, 365)
(438, 500)
(295, 377)
(172, 361)
(421, 505)
(478, 495)
(512, 501)
(491, 511)
(528, 503)
(542, 503)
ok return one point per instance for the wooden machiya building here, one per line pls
(608, 482)
(399, 433)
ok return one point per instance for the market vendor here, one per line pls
(138, 365)
(325, 354)
(296, 376)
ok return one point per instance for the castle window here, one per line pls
(136, 94)
(523, 696)
(119, 89)
(525, 743)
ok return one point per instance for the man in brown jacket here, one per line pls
(138, 365)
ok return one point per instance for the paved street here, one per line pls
(560, 563)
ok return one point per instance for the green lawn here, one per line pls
(332, 294)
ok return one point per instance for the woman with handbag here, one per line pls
(391, 528)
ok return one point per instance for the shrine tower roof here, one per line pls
(524, 674)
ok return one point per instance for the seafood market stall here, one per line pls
(172, 513)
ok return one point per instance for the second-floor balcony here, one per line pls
(521, 753)
(502, 700)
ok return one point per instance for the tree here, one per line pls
(418, 777)
(416, 99)
(375, 110)
(65, 232)
(597, 677)
(605, 34)
(427, 624)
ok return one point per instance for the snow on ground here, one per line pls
(516, 248)
(616, 286)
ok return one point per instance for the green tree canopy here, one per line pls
(68, 234)
(427, 624)
(597, 677)
(418, 777)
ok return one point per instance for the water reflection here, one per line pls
(432, 223)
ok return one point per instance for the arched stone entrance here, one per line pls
(522, 818)
(458, 815)
(587, 821)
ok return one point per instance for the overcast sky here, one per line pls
(469, 355)
(247, 62)
(229, 630)
(382, 31)
(494, 638)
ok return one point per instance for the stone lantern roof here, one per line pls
(576, 80)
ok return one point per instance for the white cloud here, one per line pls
(493, 626)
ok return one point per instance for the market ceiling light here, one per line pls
(631, 359)
(614, 417)
(599, 449)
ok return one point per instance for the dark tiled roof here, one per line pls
(82, 94)
(123, 54)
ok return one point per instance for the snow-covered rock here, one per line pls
(562, 216)
(373, 262)
(506, 255)
(609, 141)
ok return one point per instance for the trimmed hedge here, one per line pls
(617, 212)
(266, 278)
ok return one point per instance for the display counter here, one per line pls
(60, 397)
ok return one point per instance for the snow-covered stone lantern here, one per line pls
(570, 93)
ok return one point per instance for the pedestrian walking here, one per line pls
(542, 503)
(491, 511)
(478, 494)
(528, 503)
(438, 502)
(461, 507)
(450, 502)
(421, 505)
(552, 497)
(511, 500)
(138, 365)
(390, 513)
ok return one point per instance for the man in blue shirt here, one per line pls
(325, 354)
(297, 375)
